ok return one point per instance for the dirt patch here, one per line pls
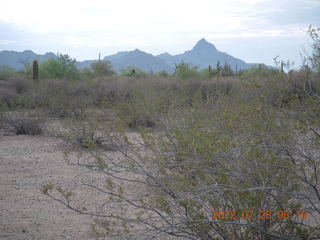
(26, 163)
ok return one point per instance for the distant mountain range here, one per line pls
(17, 60)
(201, 55)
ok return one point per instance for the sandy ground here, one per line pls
(26, 163)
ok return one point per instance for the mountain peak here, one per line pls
(137, 51)
(203, 44)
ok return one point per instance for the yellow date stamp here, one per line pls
(261, 214)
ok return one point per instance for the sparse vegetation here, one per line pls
(207, 141)
(6, 72)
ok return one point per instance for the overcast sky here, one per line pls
(252, 30)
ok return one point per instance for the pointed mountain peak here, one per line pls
(203, 40)
(137, 51)
(203, 44)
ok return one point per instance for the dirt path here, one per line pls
(26, 163)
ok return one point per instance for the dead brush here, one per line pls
(23, 123)
(83, 134)
(89, 134)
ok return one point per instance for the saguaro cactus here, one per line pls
(219, 68)
(35, 70)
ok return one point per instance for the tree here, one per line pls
(102, 68)
(62, 67)
(314, 59)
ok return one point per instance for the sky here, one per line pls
(255, 31)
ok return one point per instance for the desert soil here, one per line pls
(26, 163)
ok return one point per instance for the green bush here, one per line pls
(259, 71)
(102, 68)
(133, 72)
(185, 71)
(314, 59)
(64, 67)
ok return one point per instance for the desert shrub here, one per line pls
(20, 84)
(102, 68)
(82, 133)
(3, 109)
(133, 72)
(23, 123)
(208, 74)
(195, 91)
(86, 73)
(162, 74)
(11, 93)
(139, 112)
(285, 90)
(91, 133)
(111, 91)
(8, 98)
(226, 70)
(6, 72)
(136, 115)
(205, 74)
(258, 71)
(227, 86)
(65, 99)
(185, 71)
(142, 102)
(225, 151)
(60, 98)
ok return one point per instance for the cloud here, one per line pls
(4, 42)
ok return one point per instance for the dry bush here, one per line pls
(20, 84)
(8, 97)
(24, 123)
(60, 98)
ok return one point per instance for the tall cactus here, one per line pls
(35, 70)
